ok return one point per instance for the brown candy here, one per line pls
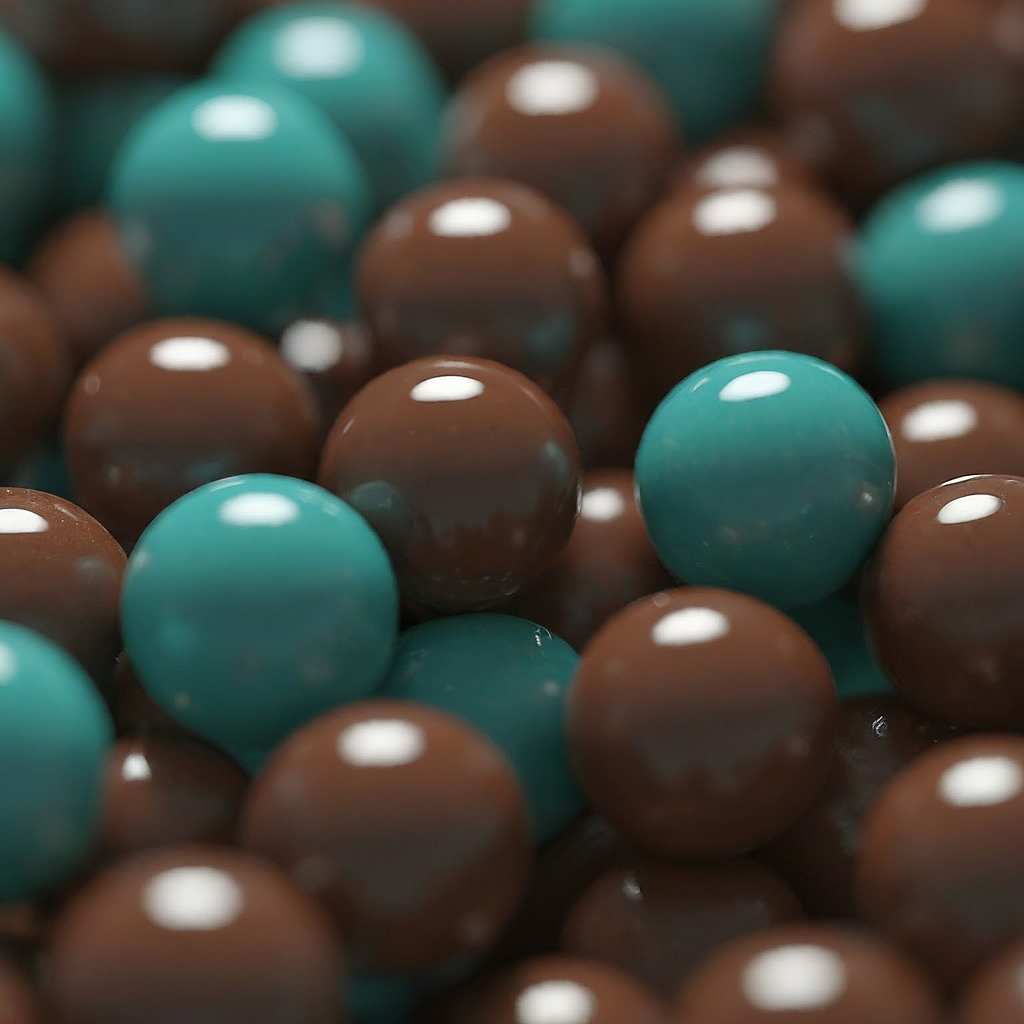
(174, 404)
(578, 123)
(658, 920)
(808, 974)
(409, 826)
(944, 600)
(484, 268)
(134, 711)
(194, 933)
(997, 995)
(18, 1003)
(468, 472)
(701, 722)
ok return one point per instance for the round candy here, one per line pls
(709, 57)
(54, 733)
(996, 995)
(701, 722)
(771, 473)
(409, 826)
(579, 124)
(197, 933)
(18, 1003)
(239, 203)
(467, 471)
(62, 576)
(255, 603)
(81, 271)
(608, 563)
(873, 92)
(715, 273)
(944, 429)
(941, 862)
(161, 790)
(814, 974)
(943, 598)
(508, 678)
(658, 921)
(134, 711)
(130, 449)
(363, 69)
(940, 261)
(482, 268)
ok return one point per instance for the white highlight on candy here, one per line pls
(381, 743)
(449, 388)
(21, 520)
(735, 211)
(969, 508)
(758, 384)
(192, 354)
(796, 978)
(690, 626)
(552, 87)
(235, 119)
(555, 1002)
(470, 217)
(193, 899)
(981, 781)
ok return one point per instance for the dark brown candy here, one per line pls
(18, 1003)
(134, 711)
(997, 994)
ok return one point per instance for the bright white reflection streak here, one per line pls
(555, 1002)
(381, 743)
(259, 509)
(319, 48)
(602, 505)
(734, 212)
(757, 384)
(447, 388)
(797, 978)
(195, 899)
(690, 626)
(870, 15)
(552, 87)
(939, 420)
(960, 204)
(470, 217)
(22, 520)
(981, 781)
(969, 509)
(234, 119)
(189, 354)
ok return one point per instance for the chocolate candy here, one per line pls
(608, 563)
(481, 268)
(162, 790)
(62, 576)
(949, 428)
(579, 124)
(943, 601)
(658, 921)
(941, 867)
(996, 996)
(770, 473)
(466, 470)
(408, 825)
(129, 448)
(54, 733)
(701, 722)
(874, 92)
(194, 933)
(714, 273)
(134, 711)
(18, 1003)
(814, 974)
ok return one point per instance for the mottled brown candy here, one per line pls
(944, 602)
(996, 996)
(409, 826)
(713, 274)
(701, 722)
(174, 404)
(484, 268)
(194, 933)
(944, 429)
(808, 974)
(18, 1003)
(578, 123)
(61, 574)
(88, 283)
(468, 472)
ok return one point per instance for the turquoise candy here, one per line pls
(255, 603)
(941, 264)
(709, 56)
(239, 203)
(364, 70)
(507, 677)
(381, 999)
(54, 734)
(771, 473)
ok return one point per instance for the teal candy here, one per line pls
(507, 677)
(255, 603)
(381, 999)
(364, 70)
(941, 264)
(239, 203)
(770, 473)
(709, 56)
(54, 734)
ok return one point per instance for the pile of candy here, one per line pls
(453, 567)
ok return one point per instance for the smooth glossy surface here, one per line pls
(18, 1003)
(197, 933)
(578, 123)
(996, 996)
(255, 603)
(659, 920)
(467, 471)
(130, 450)
(941, 868)
(943, 599)
(701, 722)
(771, 473)
(482, 268)
(940, 260)
(54, 733)
(135, 712)
(409, 826)
(239, 202)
